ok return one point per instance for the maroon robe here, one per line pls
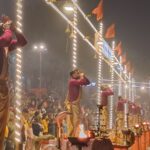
(132, 108)
(74, 87)
(138, 109)
(120, 104)
(104, 96)
(6, 42)
(6, 45)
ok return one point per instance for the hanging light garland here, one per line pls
(100, 46)
(112, 85)
(74, 55)
(130, 88)
(125, 85)
(90, 23)
(84, 16)
(99, 80)
(126, 115)
(120, 82)
(133, 90)
(48, 2)
(19, 14)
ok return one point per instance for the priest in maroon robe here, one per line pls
(120, 104)
(76, 82)
(106, 91)
(7, 44)
(120, 112)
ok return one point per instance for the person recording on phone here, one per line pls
(77, 80)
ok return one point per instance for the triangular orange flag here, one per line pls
(119, 49)
(110, 33)
(98, 11)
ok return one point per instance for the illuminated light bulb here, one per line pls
(68, 8)
(143, 88)
(18, 140)
(42, 46)
(137, 126)
(17, 117)
(17, 133)
(18, 110)
(35, 47)
(18, 125)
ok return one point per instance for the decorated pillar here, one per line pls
(112, 86)
(74, 42)
(18, 96)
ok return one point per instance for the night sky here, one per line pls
(41, 23)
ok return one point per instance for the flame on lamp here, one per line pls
(137, 126)
(82, 134)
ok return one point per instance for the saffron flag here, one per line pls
(110, 33)
(119, 49)
(98, 11)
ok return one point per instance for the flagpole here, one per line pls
(133, 90)
(129, 83)
(125, 85)
(74, 42)
(120, 82)
(112, 85)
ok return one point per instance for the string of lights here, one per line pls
(74, 55)
(112, 86)
(135, 84)
(99, 80)
(120, 82)
(91, 25)
(81, 34)
(84, 16)
(125, 85)
(133, 90)
(130, 88)
(100, 46)
(19, 18)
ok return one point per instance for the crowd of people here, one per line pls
(38, 120)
